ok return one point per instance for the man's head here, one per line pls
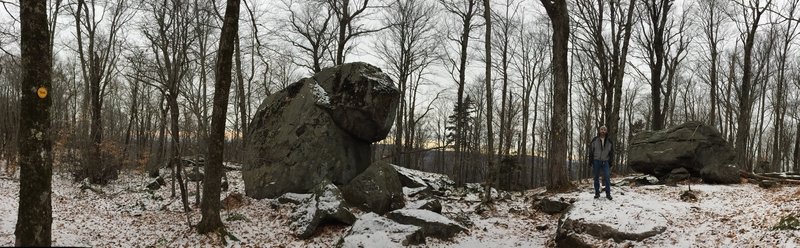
(603, 131)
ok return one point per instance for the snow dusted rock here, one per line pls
(372, 230)
(377, 189)
(767, 183)
(631, 216)
(415, 179)
(325, 205)
(294, 198)
(550, 206)
(432, 224)
(720, 174)
(692, 145)
(156, 183)
(415, 191)
(432, 205)
(319, 128)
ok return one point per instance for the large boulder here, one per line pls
(432, 224)
(377, 189)
(692, 145)
(319, 128)
(372, 230)
(326, 205)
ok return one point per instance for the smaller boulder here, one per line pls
(414, 179)
(677, 175)
(377, 189)
(433, 206)
(550, 206)
(432, 224)
(327, 204)
(720, 174)
(767, 183)
(156, 183)
(372, 230)
(430, 205)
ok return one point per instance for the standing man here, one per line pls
(601, 157)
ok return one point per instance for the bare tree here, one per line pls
(492, 171)
(711, 19)
(409, 48)
(311, 32)
(751, 18)
(213, 178)
(609, 52)
(35, 215)
(557, 148)
(787, 34)
(465, 10)
(349, 15)
(654, 40)
(98, 53)
(169, 41)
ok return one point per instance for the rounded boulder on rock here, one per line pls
(319, 128)
(691, 145)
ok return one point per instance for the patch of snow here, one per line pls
(382, 81)
(320, 94)
(413, 191)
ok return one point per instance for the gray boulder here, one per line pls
(432, 205)
(325, 205)
(678, 175)
(319, 128)
(550, 206)
(767, 183)
(432, 224)
(373, 230)
(432, 181)
(377, 189)
(156, 183)
(720, 174)
(692, 145)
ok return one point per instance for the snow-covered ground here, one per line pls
(129, 216)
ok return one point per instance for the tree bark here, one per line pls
(492, 171)
(210, 204)
(557, 148)
(34, 217)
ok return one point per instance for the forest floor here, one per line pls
(124, 214)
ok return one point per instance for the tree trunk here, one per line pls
(240, 89)
(172, 100)
(491, 170)
(557, 149)
(211, 205)
(745, 103)
(34, 216)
